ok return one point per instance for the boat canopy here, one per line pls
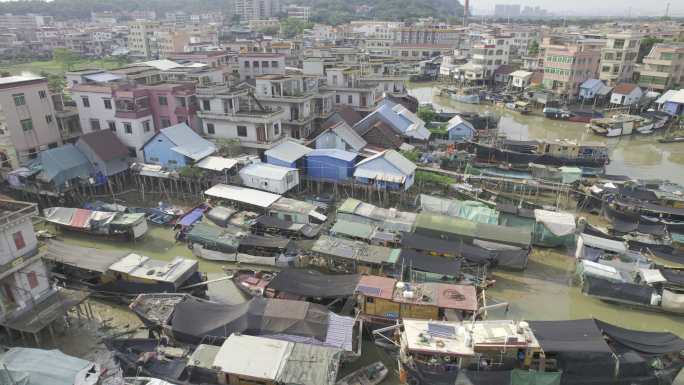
(309, 283)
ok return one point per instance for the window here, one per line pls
(350, 99)
(107, 104)
(42, 94)
(206, 105)
(19, 100)
(334, 79)
(131, 152)
(27, 124)
(164, 121)
(154, 159)
(146, 126)
(128, 128)
(255, 64)
(210, 129)
(48, 119)
(95, 124)
(264, 64)
(276, 129)
(111, 125)
(246, 64)
(242, 131)
(163, 101)
(274, 64)
(369, 300)
(86, 101)
(228, 106)
(32, 279)
(19, 242)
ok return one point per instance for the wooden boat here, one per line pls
(147, 357)
(113, 225)
(121, 275)
(671, 139)
(372, 374)
(622, 124)
(519, 106)
(557, 153)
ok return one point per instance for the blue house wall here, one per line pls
(326, 167)
(158, 151)
(278, 162)
(460, 132)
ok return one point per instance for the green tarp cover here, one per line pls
(349, 206)
(213, 237)
(352, 229)
(526, 377)
(464, 228)
(470, 210)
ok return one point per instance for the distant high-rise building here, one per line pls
(507, 10)
(257, 9)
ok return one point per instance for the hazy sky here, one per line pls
(603, 7)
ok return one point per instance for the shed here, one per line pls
(287, 154)
(388, 169)
(459, 129)
(340, 136)
(269, 177)
(242, 195)
(400, 119)
(449, 228)
(330, 164)
(520, 79)
(105, 151)
(63, 164)
(176, 147)
(626, 94)
(590, 88)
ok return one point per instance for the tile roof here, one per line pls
(105, 144)
(624, 88)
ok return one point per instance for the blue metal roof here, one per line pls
(67, 160)
(188, 142)
(334, 153)
(591, 83)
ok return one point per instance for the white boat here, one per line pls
(622, 124)
(372, 374)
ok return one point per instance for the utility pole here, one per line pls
(667, 10)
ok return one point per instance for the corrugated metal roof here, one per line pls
(103, 77)
(250, 356)
(392, 157)
(352, 229)
(265, 170)
(217, 163)
(334, 153)
(349, 136)
(243, 195)
(591, 83)
(289, 151)
(188, 142)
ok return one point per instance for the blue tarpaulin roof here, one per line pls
(192, 217)
(63, 163)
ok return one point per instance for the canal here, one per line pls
(546, 290)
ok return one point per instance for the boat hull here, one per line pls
(488, 153)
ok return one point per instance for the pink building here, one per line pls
(566, 66)
(174, 103)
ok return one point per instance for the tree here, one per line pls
(292, 27)
(646, 44)
(269, 31)
(64, 56)
(427, 115)
(533, 49)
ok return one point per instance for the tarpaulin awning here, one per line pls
(560, 224)
(314, 284)
(673, 276)
(429, 263)
(43, 367)
(649, 343)
(578, 336)
(621, 291)
(191, 217)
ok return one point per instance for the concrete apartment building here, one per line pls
(618, 57)
(349, 89)
(663, 67)
(255, 64)
(29, 115)
(568, 63)
(24, 279)
(135, 112)
(303, 104)
(422, 42)
(257, 9)
(490, 53)
(233, 113)
(141, 33)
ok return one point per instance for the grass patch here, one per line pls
(56, 68)
(432, 178)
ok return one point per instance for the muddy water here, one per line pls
(639, 156)
(545, 291)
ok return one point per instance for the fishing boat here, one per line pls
(121, 275)
(621, 124)
(148, 357)
(556, 113)
(671, 139)
(470, 95)
(114, 225)
(557, 153)
(372, 374)
(381, 301)
(578, 352)
(519, 106)
(660, 118)
(580, 116)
